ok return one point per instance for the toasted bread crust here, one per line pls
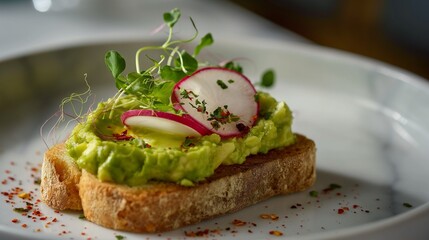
(59, 180)
(160, 207)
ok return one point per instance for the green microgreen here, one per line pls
(152, 87)
(207, 40)
(233, 66)
(171, 18)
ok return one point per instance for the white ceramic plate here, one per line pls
(369, 122)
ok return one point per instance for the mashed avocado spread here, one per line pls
(103, 147)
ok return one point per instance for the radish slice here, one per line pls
(220, 99)
(169, 123)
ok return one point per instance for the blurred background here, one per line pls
(392, 31)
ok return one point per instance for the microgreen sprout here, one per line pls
(153, 86)
(77, 104)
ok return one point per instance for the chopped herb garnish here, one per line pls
(21, 210)
(189, 142)
(268, 78)
(230, 81)
(334, 186)
(199, 106)
(222, 116)
(314, 193)
(185, 94)
(221, 84)
(119, 237)
(81, 216)
(407, 205)
(38, 181)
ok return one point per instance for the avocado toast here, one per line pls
(181, 142)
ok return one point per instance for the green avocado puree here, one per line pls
(104, 147)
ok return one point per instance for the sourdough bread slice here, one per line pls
(158, 206)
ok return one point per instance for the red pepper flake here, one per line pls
(276, 233)
(355, 206)
(54, 220)
(15, 220)
(201, 233)
(24, 225)
(342, 210)
(238, 223)
(4, 182)
(7, 171)
(122, 136)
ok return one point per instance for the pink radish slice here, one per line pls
(220, 99)
(163, 122)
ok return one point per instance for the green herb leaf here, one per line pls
(234, 66)
(268, 78)
(190, 64)
(171, 18)
(163, 91)
(170, 73)
(115, 62)
(81, 216)
(207, 40)
(119, 237)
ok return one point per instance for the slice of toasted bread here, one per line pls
(157, 207)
